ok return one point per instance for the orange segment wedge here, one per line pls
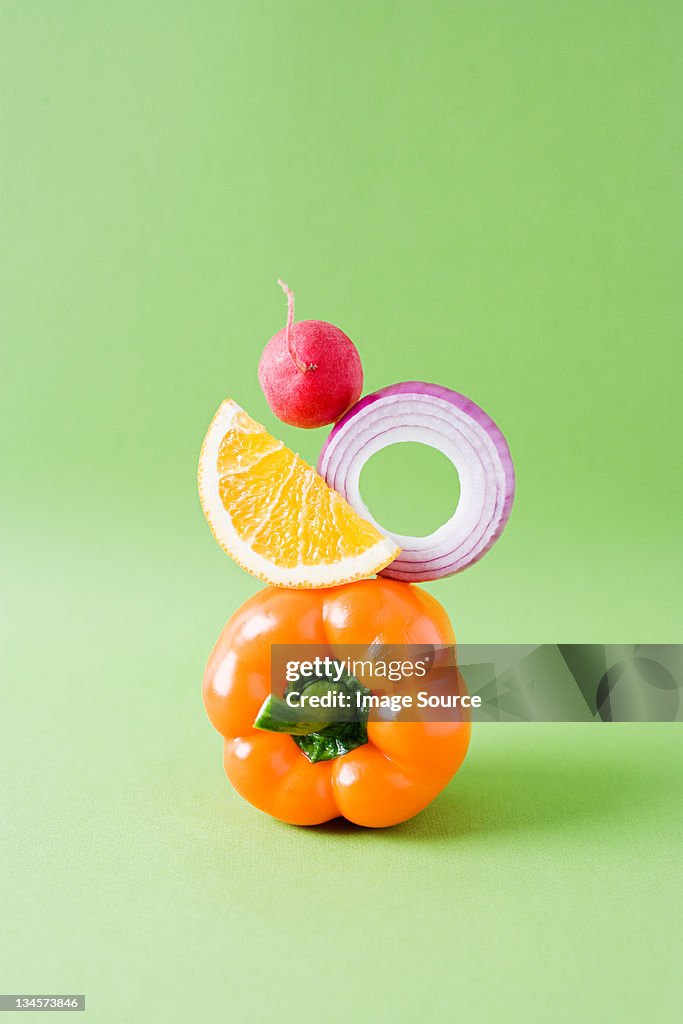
(275, 516)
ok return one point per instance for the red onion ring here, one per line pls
(451, 423)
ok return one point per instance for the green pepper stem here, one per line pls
(276, 715)
(340, 728)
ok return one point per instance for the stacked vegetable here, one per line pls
(302, 530)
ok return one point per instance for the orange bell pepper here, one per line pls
(386, 780)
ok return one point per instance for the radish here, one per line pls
(310, 372)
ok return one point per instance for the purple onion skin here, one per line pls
(421, 573)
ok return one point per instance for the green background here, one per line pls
(485, 195)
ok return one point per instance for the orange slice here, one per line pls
(275, 516)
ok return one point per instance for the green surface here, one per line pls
(481, 194)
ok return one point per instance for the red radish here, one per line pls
(310, 372)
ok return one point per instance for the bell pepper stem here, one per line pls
(276, 715)
(341, 727)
